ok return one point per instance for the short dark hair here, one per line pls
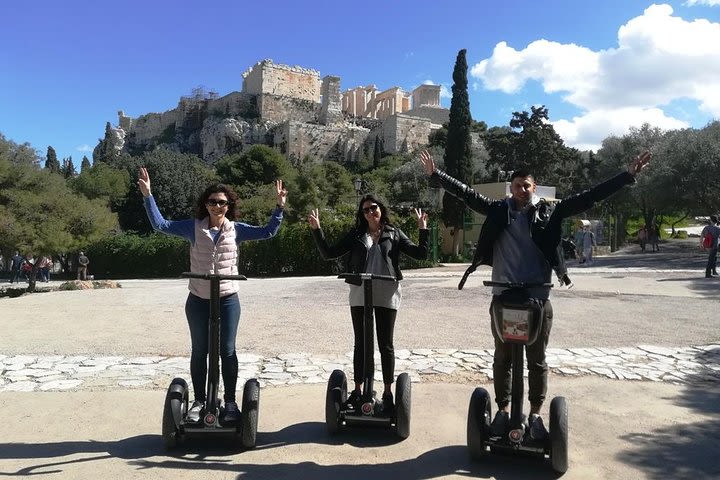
(201, 209)
(522, 173)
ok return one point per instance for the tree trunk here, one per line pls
(672, 226)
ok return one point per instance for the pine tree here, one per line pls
(51, 163)
(458, 149)
(85, 164)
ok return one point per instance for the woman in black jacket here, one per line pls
(374, 246)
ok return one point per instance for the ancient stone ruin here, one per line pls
(292, 109)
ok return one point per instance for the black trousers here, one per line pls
(712, 261)
(384, 326)
(536, 365)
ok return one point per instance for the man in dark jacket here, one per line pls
(520, 240)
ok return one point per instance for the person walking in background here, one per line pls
(654, 237)
(214, 236)
(43, 268)
(712, 231)
(17, 261)
(83, 262)
(642, 237)
(374, 246)
(588, 244)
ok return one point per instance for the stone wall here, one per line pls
(279, 109)
(403, 133)
(299, 140)
(436, 115)
(266, 77)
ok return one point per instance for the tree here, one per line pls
(51, 163)
(23, 154)
(259, 165)
(68, 168)
(102, 181)
(458, 149)
(177, 181)
(85, 164)
(42, 216)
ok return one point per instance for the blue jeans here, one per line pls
(197, 311)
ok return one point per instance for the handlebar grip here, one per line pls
(211, 276)
(367, 276)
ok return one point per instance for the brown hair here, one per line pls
(201, 209)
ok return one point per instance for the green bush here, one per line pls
(291, 252)
(680, 234)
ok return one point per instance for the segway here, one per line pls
(517, 320)
(368, 409)
(175, 425)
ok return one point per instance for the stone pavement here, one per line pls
(677, 365)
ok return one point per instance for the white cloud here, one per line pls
(709, 3)
(85, 148)
(587, 131)
(659, 58)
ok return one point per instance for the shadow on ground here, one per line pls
(450, 460)
(689, 450)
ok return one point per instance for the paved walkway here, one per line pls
(651, 363)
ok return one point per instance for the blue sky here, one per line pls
(600, 67)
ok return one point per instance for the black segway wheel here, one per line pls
(249, 413)
(403, 401)
(478, 423)
(335, 396)
(559, 434)
(175, 408)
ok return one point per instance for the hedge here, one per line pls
(291, 252)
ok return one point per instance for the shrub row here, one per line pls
(291, 252)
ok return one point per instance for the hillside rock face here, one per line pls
(288, 108)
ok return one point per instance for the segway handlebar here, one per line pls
(211, 276)
(367, 276)
(489, 283)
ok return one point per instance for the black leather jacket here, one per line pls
(392, 242)
(545, 218)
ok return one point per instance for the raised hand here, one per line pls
(639, 162)
(314, 219)
(281, 193)
(427, 162)
(144, 182)
(422, 218)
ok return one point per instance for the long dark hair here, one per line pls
(201, 210)
(361, 223)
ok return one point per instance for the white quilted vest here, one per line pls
(207, 256)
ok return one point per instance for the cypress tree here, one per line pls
(85, 164)
(458, 151)
(51, 163)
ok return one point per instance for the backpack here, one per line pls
(707, 241)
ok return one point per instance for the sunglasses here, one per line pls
(216, 203)
(372, 208)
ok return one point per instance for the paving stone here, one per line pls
(36, 372)
(569, 371)
(142, 360)
(20, 387)
(61, 385)
(135, 382)
(657, 350)
(303, 368)
(423, 352)
(445, 368)
(17, 359)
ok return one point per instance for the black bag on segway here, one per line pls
(517, 318)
